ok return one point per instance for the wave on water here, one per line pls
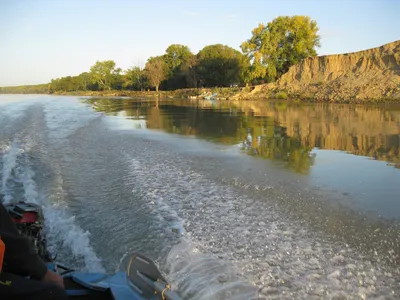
(203, 276)
(63, 234)
(232, 244)
(194, 271)
(65, 116)
(9, 161)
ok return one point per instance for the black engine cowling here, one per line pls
(29, 221)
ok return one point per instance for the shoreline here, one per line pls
(243, 93)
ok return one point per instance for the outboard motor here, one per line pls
(29, 221)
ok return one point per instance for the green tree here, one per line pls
(220, 65)
(25, 89)
(84, 79)
(105, 74)
(66, 84)
(156, 71)
(188, 71)
(176, 55)
(275, 47)
(135, 79)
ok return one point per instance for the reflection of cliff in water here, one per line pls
(372, 131)
(274, 130)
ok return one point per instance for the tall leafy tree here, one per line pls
(66, 84)
(85, 81)
(135, 79)
(176, 55)
(275, 47)
(188, 71)
(221, 65)
(105, 74)
(156, 71)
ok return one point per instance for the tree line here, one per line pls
(269, 53)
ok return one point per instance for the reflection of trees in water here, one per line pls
(276, 145)
(279, 131)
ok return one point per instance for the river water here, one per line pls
(233, 200)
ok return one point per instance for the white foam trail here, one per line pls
(66, 115)
(25, 175)
(277, 254)
(199, 276)
(196, 273)
(9, 162)
(60, 226)
(157, 202)
(15, 106)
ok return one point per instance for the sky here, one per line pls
(45, 39)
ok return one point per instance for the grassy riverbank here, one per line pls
(256, 93)
(200, 93)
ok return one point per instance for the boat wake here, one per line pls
(234, 242)
(65, 237)
(203, 276)
(216, 230)
(197, 271)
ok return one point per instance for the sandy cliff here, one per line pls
(372, 74)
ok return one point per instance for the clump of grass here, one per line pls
(247, 89)
(281, 95)
(306, 96)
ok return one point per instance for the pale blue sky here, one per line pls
(40, 40)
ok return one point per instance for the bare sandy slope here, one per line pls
(372, 74)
